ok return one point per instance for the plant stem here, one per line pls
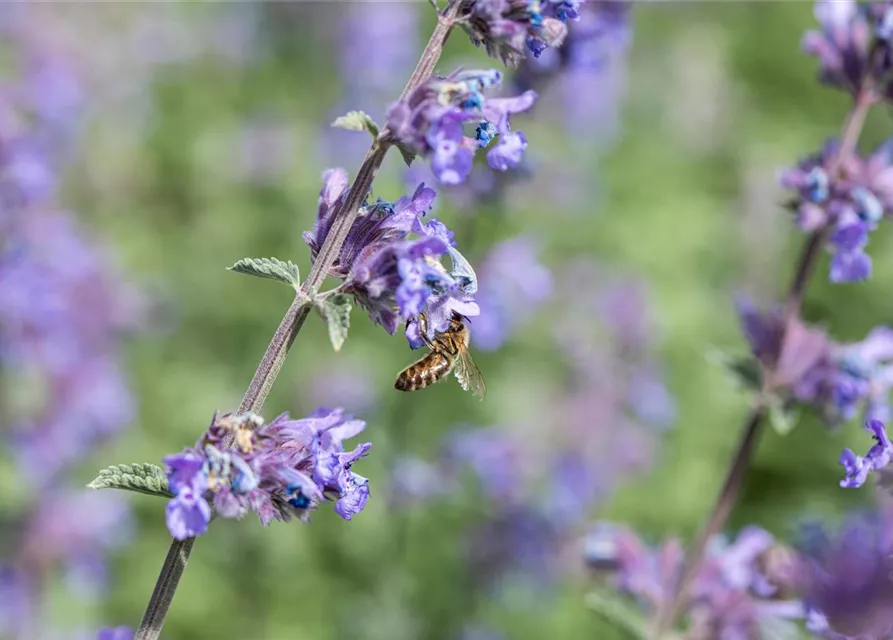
(750, 434)
(290, 326)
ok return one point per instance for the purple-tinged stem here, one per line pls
(290, 326)
(750, 434)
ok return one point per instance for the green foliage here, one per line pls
(271, 268)
(139, 477)
(357, 121)
(335, 310)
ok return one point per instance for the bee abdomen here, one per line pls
(430, 369)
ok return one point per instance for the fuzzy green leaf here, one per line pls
(336, 312)
(616, 610)
(783, 416)
(271, 268)
(408, 156)
(357, 121)
(140, 477)
(745, 371)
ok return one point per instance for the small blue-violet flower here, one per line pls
(281, 470)
(850, 196)
(879, 455)
(430, 122)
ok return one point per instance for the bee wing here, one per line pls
(468, 374)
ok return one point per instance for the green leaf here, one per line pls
(618, 611)
(408, 156)
(782, 415)
(140, 477)
(336, 311)
(745, 371)
(357, 121)
(271, 268)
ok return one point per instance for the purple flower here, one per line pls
(848, 583)
(115, 633)
(391, 260)
(506, 27)
(731, 596)
(849, 376)
(513, 285)
(843, 44)
(851, 203)
(430, 122)
(280, 470)
(879, 455)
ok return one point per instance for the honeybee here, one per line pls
(449, 352)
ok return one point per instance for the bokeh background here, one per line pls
(179, 138)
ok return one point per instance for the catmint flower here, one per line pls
(430, 122)
(731, 596)
(848, 581)
(851, 376)
(878, 457)
(804, 349)
(853, 45)
(509, 28)
(851, 203)
(391, 261)
(513, 285)
(280, 470)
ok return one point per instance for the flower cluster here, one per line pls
(430, 122)
(740, 591)
(835, 379)
(846, 579)
(391, 261)
(851, 201)
(279, 470)
(853, 46)
(510, 28)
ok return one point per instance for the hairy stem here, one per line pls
(750, 434)
(290, 326)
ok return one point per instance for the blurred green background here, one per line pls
(683, 196)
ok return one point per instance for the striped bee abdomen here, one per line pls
(432, 368)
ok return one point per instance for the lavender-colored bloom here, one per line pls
(853, 45)
(848, 583)
(507, 27)
(852, 203)
(513, 285)
(430, 123)
(391, 260)
(731, 596)
(280, 470)
(850, 376)
(115, 633)
(879, 455)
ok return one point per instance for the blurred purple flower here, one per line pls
(850, 376)
(852, 203)
(509, 28)
(343, 382)
(513, 284)
(848, 581)
(853, 45)
(281, 470)
(115, 633)
(430, 123)
(731, 596)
